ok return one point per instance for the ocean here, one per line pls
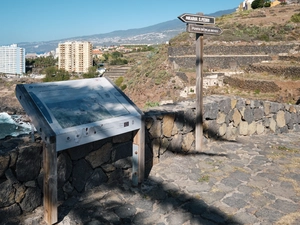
(9, 125)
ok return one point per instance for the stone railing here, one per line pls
(168, 128)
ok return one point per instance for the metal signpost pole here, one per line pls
(199, 92)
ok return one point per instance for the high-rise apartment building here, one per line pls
(75, 56)
(12, 59)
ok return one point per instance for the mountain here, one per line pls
(155, 34)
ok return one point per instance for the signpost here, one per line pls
(76, 112)
(195, 24)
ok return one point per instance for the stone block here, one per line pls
(188, 140)
(243, 128)
(233, 103)
(97, 178)
(81, 173)
(121, 151)
(29, 155)
(272, 125)
(275, 107)
(225, 105)
(64, 168)
(168, 124)
(222, 130)
(7, 194)
(260, 128)
(267, 106)
(100, 156)
(155, 129)
(240, 104)
(80, 151)
(258, 114)
(236, 117)
(252, 128)
(32, 199)
(189, 121)
(280, 119)
(122, 138)
(248, 115)
(231, 133)
(175, 143)
(10, 211)
(210, 111)
(287, 117)
(4, 162)
(221, 118)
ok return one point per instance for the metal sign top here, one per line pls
(195, 18)
(79, 111)
(194, 28)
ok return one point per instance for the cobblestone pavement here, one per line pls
(255, 180)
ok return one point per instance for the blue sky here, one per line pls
(46, 20)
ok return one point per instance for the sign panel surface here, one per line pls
(82, 111)
(195, 18)
(193, 28)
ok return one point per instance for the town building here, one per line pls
(12, 60)
(75, 56)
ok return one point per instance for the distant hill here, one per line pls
(155, 34)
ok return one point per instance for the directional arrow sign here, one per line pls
(195, 18)
(194, 28)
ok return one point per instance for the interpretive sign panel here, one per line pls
(76, 112)
(79, 111)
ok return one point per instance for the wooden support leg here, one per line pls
(138, 156)
(50, 183)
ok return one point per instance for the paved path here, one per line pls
(255, 180)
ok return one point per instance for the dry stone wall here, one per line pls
(218, 62)
(229, 56)
(79, 169)
(172, 127)
(236, 49)
(168, 128)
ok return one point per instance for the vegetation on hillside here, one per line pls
(40, 63)
(150, 69)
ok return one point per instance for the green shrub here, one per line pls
(151, 104)
(119, 81)
(296, 18)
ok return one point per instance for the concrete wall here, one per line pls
(168, 128)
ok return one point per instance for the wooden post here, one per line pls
(138, 155)
(199, 92)
(50, 182)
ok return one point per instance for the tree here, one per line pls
(92, 72)
(54, 74)
(260, 4)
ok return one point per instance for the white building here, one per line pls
(247, 4)
(12, 60)
(75, 56)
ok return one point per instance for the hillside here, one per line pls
(154, 78)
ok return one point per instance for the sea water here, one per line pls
(10, 125)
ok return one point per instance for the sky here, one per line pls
(46, 20)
